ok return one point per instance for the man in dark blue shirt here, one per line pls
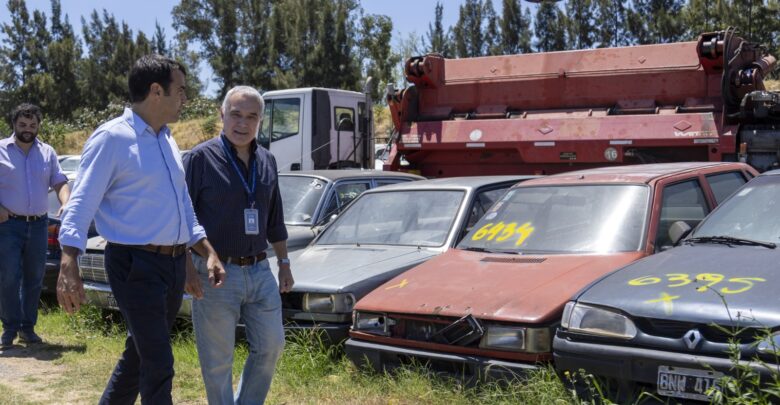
(235, 192)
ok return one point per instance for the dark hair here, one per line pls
(26, 110)
(151, 69)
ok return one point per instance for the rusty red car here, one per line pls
(491, 306)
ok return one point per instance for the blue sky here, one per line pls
(408, 15)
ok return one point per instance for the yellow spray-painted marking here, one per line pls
(501, 232)
(402, 284)
(666, 300)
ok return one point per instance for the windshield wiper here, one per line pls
(730, 240)
(485, 250)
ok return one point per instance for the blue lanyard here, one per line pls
(249, 192)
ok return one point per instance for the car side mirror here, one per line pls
(678, 230)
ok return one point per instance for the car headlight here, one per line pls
(328, 303)
(770, 344)
(597, 321)
(371, 322)
(518, 339)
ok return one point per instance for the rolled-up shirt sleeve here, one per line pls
(95, 172)
(276, 229)
(197, 231)
(57, 176)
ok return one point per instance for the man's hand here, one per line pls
(3, 214)
(192, 285)
(285, 278)
(70, 289)
(217, 273)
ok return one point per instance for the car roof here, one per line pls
(464, 183)
(334, 175)
(771, 173)
(645, 173)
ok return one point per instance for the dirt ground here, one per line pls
(31, 374)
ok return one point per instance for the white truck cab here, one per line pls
(316, 128)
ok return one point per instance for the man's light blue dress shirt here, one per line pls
(131, 181)
(25, 179)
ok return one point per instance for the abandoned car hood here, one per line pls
(355, 269)
(706, 283)
(493, 286)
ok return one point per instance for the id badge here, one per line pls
(251, 226)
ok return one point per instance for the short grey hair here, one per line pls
(244, 90)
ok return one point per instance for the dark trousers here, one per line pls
(148, 289)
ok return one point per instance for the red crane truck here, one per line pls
(547, 113)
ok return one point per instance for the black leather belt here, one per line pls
(166, 250)
(26, 218)
(243, 261)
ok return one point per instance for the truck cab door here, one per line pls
(281, 131)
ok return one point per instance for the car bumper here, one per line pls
(382, 357)
(100, 295)
(50, 276)
(638, 365)
(334, 332)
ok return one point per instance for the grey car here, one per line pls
(383, 233)
(310, 199)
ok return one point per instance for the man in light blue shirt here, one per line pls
(28, 167)
(131, 181)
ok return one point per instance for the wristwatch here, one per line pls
(283, 261)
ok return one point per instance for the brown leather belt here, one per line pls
(166, 250)
(26, 218)
(243, 261)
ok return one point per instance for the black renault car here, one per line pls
(666, 324)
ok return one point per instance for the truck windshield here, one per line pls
(300, 196)
(563, 219)
(751, 213)
(407, 218)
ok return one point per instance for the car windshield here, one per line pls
(406, 218)
(751, 213)
(70, 164)
(563, 219)
(300, 196)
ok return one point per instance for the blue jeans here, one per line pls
(148, 289)
(22, 264)
(252, 294)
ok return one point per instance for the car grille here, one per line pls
(421, 329)
(292, 300)
(92, 268)
(677, 329)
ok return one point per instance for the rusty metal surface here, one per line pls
(551, 112)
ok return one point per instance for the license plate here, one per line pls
(686, 382)
(111, 301)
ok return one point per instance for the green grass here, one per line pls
(308, 372)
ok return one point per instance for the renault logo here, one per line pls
(692, 338)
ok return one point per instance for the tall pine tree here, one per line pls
(515, 28)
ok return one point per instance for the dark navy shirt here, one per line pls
(219, 198)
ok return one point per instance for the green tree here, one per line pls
(579, 23)
(492, 34)
(213, 25)
(437, 41)
(515, 28)
(549, 28)
(468, 34)
(375, 36)
(610, 24)
(159, 45)
(656, 21)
